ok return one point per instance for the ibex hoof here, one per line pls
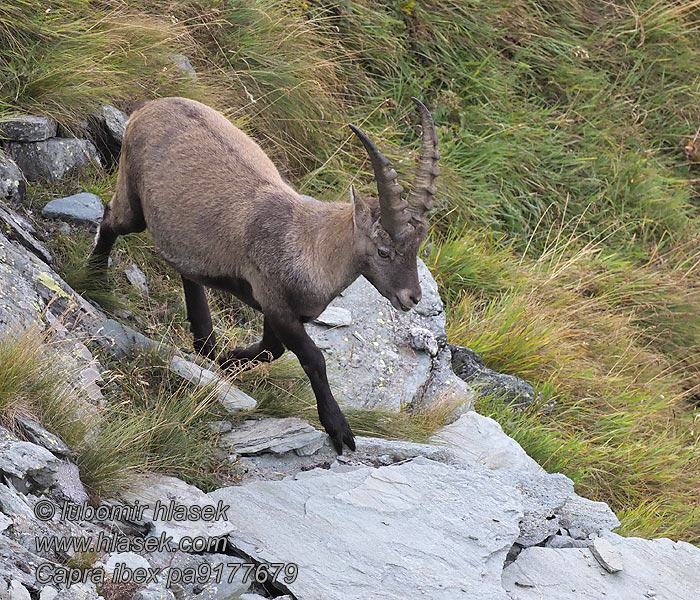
(340, 433)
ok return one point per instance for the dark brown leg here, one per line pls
(294, 337)
(200, 318)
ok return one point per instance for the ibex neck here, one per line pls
(334, 248)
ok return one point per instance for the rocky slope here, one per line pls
(468, 515)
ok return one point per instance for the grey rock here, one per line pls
(36, 434)
(52, 159)
(543, 497)
(107, 128)
(230, 397)
(137, 278)
(371, 363)
(48, 593)
(584, 518)
(12, 184)
(273, 435)
(5, 522)
(27, 128)
(423, 339)
(230, 585)
(607, 555)
(12, 504)
(370, 451)
(154, 591)
(444, 390)
(549, 500)
(422, 526)
(220, 426)
(335, 316)
(17, 591)
(16, 562)
(68, 485)
(184, 65)
(29, 467)
(469, 366)
(478, 439)
(32, 295)
(152, 488)
(121, 341)
(130, 559)
(64, 228)
(565, 541)
(78, 208)
(672, 569)
(19, 230)
(79, 591)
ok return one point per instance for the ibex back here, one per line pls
(223, 217)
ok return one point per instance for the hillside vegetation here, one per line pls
(567, 235)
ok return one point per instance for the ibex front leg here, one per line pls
(294, 337)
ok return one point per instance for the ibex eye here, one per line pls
(383, 252)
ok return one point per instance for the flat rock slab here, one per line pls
(41, 437)
(652, 569)
(420, 529)
(371, 362)
(52, 159)
(27, 128)
(78, 208)
(277, 436)
(370, 452)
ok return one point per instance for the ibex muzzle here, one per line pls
(222, 216)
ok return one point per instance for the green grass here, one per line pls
(567, 229)
(33, 384)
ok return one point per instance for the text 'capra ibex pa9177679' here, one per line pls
(222, 216)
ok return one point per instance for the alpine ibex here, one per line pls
(223, 217)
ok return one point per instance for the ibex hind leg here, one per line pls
(200, 318)
(269, 348)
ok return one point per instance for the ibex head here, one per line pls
(389, 230)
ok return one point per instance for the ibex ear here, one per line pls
(361, 212)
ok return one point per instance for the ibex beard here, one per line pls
(222, 216)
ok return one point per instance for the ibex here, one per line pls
(223, 217)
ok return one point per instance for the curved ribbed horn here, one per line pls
(394, 209)
(420, 198)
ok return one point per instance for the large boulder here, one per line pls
(384, 358)
(52, 159)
